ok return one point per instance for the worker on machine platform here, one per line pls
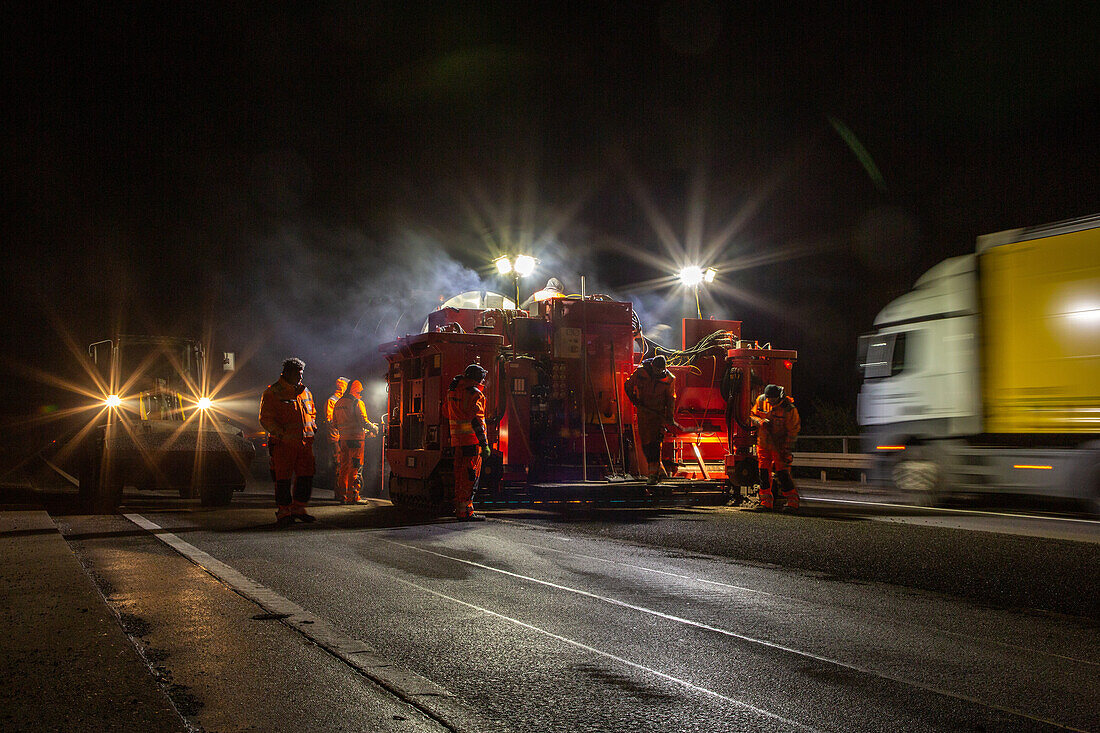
(350, 416)
(777, 425)
(333, 434)
(553, 289)
(652, 390)
(289, 416)
(466, 413)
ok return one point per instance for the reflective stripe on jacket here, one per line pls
(465, 405)
(654, 397)
(287, 411)
(349, 418)
(330, 403)
(782, 426)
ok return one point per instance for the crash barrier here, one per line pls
(829, 457)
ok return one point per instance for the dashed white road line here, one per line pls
(409, 686)
(405, 684)
(724, 632)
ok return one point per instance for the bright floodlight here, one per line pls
(691, 275)
(112, 400)
(204, 403)
(525, 265)
(504, 265)
(708, 276)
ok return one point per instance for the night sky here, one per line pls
(309, 182)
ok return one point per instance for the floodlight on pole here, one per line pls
(517, 267)
(693, 276)
(524, 265)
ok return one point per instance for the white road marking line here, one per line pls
(949, 510)
(599, 652)
(418, 691)
(734, 634)
(795, 599)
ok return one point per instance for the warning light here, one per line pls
(788, 364)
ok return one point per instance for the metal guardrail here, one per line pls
(831, 459)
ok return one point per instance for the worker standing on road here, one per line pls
(350, 418)
(777, 425)
(465, 407)
(288, 414)
(334, 435)
(652, 390)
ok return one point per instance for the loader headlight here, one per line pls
(204, 403)
(112, 400)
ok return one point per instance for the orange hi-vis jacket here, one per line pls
(465, 405)
(330, 404)
(655, 398)
(349, 417)
(782, 426)
(287, 411)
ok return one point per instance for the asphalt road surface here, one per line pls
(851, 617)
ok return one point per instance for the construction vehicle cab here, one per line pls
(158, 428)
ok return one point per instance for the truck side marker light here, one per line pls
(1044, 468)
(889, 447)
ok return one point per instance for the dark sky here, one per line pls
(310, 181)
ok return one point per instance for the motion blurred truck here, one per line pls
(985, 378)
(158, 427)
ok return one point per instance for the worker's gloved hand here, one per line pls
(485, 452)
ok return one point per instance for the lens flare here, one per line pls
(525, 265)
(204, 403)
(112, 400)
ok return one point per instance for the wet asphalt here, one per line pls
(600, 618)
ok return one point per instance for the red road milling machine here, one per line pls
(558, 420)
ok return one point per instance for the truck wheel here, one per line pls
(216, 495)
(108, 490)
(920, 478)
(88, 473)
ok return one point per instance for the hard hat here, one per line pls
(342, 382)
(554, 284)
(475, 372)
(773, 391)
(355, 388)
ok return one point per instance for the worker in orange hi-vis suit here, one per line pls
(289, 416)
(777, 425)
(350, 418)
(465, 406)
(333, 434)
(652, 391)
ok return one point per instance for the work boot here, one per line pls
(790, 493)
(298, 512)
(474, 518)
(283, 518)
(653, 480)
(756, 508)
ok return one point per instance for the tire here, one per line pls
(108, 491)
(920, 477)
(216, 495)
(88, 473)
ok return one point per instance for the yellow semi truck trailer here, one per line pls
(985, 378)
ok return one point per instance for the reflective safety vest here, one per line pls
(465, 406)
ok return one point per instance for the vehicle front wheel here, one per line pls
(920, 478)
(216, 495)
